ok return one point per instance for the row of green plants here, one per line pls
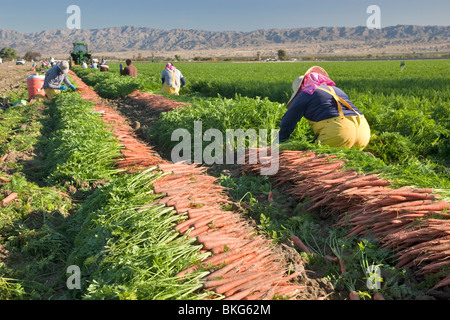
(82, 212)
(111, 85)
(33, 245)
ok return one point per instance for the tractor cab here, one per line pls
(79, 53)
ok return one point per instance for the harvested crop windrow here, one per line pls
(410, 221)
(242, 265)
(158, 103)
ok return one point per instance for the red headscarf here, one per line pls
(314, 80)
(170, 67)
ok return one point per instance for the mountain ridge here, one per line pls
(131, 38)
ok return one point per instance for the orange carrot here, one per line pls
(300, 244)
(9, 198)
(230, 285)
(270, 197)
(4, 179)
(63, 194)
(335, 259)
(229, 256)
(220, 282)
(187, 224)
(258, 284)
(4, 157)
(241, 295)
(342, 265)
(222, 242)
(442, 283)
(194, 233)
(438, 206)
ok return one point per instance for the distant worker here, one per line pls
(172, 80)
(336, 121)
(84, 65)
(130, 69)
(94, 64)
(104, 68)
(54, 79)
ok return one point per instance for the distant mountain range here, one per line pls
(127, 39)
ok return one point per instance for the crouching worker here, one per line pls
(334, 118)
(172, 80)
(54, 79)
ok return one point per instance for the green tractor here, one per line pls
(79, 54)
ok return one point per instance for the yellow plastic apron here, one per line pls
(174, 89)
(343, 131)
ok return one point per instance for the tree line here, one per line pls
(9, 54)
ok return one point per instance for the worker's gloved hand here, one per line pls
(62, 88)
(72, 87)
(121, 68)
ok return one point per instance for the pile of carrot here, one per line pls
(156, 102)
(242, 265)
(410, 221)
(136, 154)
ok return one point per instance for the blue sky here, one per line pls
(218, 15)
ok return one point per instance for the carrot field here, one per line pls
(87, 182)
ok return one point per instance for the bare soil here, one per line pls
(13, 77)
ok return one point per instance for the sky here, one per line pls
(29, 16)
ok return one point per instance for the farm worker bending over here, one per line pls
(336, 121)
(130, 69)
(54, 78)
(172, 80)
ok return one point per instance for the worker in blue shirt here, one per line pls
(334, 118)
(54, 79)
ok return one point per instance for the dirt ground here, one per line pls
(13, 77)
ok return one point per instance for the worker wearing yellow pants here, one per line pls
(54, 77)
(172, 80)
(170, 90)
(346, 132)
(49, 94)
(334, 119)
